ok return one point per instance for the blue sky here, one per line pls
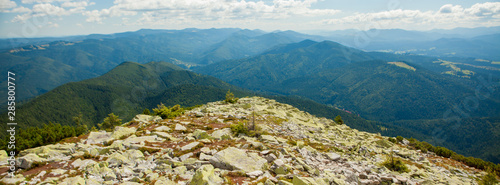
(38, 18)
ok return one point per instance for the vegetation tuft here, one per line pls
(230, 97)
(110, 122)
(395, 164)
(168, 112)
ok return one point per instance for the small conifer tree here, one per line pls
(110, 122)
(230, 97)
(339, 120)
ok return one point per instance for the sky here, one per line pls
(39, 18)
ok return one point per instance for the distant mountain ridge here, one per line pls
(331, 73)
(59, 62)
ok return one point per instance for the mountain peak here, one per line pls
(214, 144)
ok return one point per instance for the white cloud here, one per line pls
(484, 9)
(157, 11)
(449, 8)
(480, 14)
(40, 1)
(45, 8)
(20, 9)
(48, 9)
(75, 4)
(7, 4)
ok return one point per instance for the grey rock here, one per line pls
(190, 146)
(179, 127)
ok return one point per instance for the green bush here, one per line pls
(400, 139)
(339, 120)
(488, 179)
(168, 112)
(110, 122)
(395, 164)
(444, 152)
(230, 97)
(146, 111)
(239, 128)
(391, 139)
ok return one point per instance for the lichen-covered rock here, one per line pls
(235, 159)
(218, 134)
(165, 135)
(13, 180)
(190, 146)
(308, 181)
(200, 134)
(205, 175)
(73, 181)
(27, 161)
(164, 181)
(333, 156)
(162, 129)
(179, 127)
(117, 159)
(139, 140)
(146, 118)
(121, 132)
(99, 137)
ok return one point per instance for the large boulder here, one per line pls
(121, 132)
(27, 161)
(117, 159)
(146, 118)
(190, 146)
(222, 132)
(179, 127)
(99, 137)
(205, 176)
(139, 140)
(56, 150)
(200, 134)
(162, 129)
(235, 159)
(165, 135)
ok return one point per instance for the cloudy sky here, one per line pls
(37, 18)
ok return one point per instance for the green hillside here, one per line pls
(375, 89)
(125, 90)
(131, 87)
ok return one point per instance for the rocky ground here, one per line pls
(288, 146)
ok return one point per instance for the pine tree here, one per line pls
(339, 120)
(110, 122)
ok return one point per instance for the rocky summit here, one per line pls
(252, 141)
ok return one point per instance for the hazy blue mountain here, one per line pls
(458, 42)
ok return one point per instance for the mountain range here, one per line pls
(89, 75)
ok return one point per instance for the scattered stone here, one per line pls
(205, 175)
(166, 136)
(99, 137)
(200, 134)
(333, 156)
(121, 132)
(146, 118)
(236, 159)
(179, 127)
(219, 134)
(162, 129)
(190, 146)
(27, 161)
